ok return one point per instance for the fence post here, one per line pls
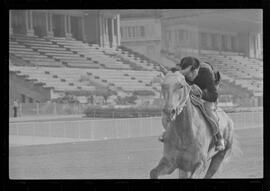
(50, 129)
(37, 106)
(20, 109)
(54, 108)
(17, 129)
(79, 133)
(151, 126)
(34, 128)
(127, 122)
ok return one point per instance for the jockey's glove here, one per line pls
(195, 90)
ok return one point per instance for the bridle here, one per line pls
(171, 115)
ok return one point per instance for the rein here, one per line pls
(180, 106)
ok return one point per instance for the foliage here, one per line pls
(65, 99)
(143, 93)
(126, 100)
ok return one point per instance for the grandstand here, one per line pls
(60, 63)
(59, 59)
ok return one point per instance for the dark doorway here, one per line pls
(58, 25)
(39, 24)
(76, 27)
(18, 22)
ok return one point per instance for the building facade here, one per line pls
(93, 26)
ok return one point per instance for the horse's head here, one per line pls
(175, 92)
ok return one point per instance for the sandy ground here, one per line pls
(121, 159)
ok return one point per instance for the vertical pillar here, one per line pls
(10, 23)
(29, 23)
(83, 30)
(199, 42)
(106, 39)
(113, 20)
(219, 42)
(251, 45)
(48, 18)
(67, 26)
(229, 42)
(101, 36)
(208, 40)
(107, 31)
(118, 30)
(237, 44)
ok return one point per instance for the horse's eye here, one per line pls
(180, 86)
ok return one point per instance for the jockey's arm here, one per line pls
(210, 93)
(196, 90)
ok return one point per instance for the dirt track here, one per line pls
(124, 159)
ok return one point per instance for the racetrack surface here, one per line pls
(131, 158)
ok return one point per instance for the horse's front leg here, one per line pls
(183, 174)
(164, 167)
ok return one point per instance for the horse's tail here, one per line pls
(233, 145)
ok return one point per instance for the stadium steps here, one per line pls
(230, 73)
(43, 59)
(84, 51)
(150, 62)
(132, 77)
(98, 80)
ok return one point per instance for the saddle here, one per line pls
(196, 101)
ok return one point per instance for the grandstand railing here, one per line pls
(43, 109)
(101, 129)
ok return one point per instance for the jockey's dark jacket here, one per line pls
(206, 81)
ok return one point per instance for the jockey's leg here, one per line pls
(211, 110)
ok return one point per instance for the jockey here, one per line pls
(202, 79)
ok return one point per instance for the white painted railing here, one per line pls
(114, 128)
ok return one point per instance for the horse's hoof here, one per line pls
(153, 174)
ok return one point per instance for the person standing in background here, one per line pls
(15, 107)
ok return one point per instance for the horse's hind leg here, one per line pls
(164, 167)
(215, 163)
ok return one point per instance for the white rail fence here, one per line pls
(114, 128)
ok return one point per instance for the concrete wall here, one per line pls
(150, 44)
(152, 28)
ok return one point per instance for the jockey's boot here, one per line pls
(220, 145)
(211, 110)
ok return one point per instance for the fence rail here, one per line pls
(114, 128)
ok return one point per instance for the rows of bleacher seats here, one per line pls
(50, 77)
(31, 57)
(236, 66)
(91, 53)
(129, 57)
(128, 80)
(246, 72)
(69, 79)
(58, 64)
(59, 51)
